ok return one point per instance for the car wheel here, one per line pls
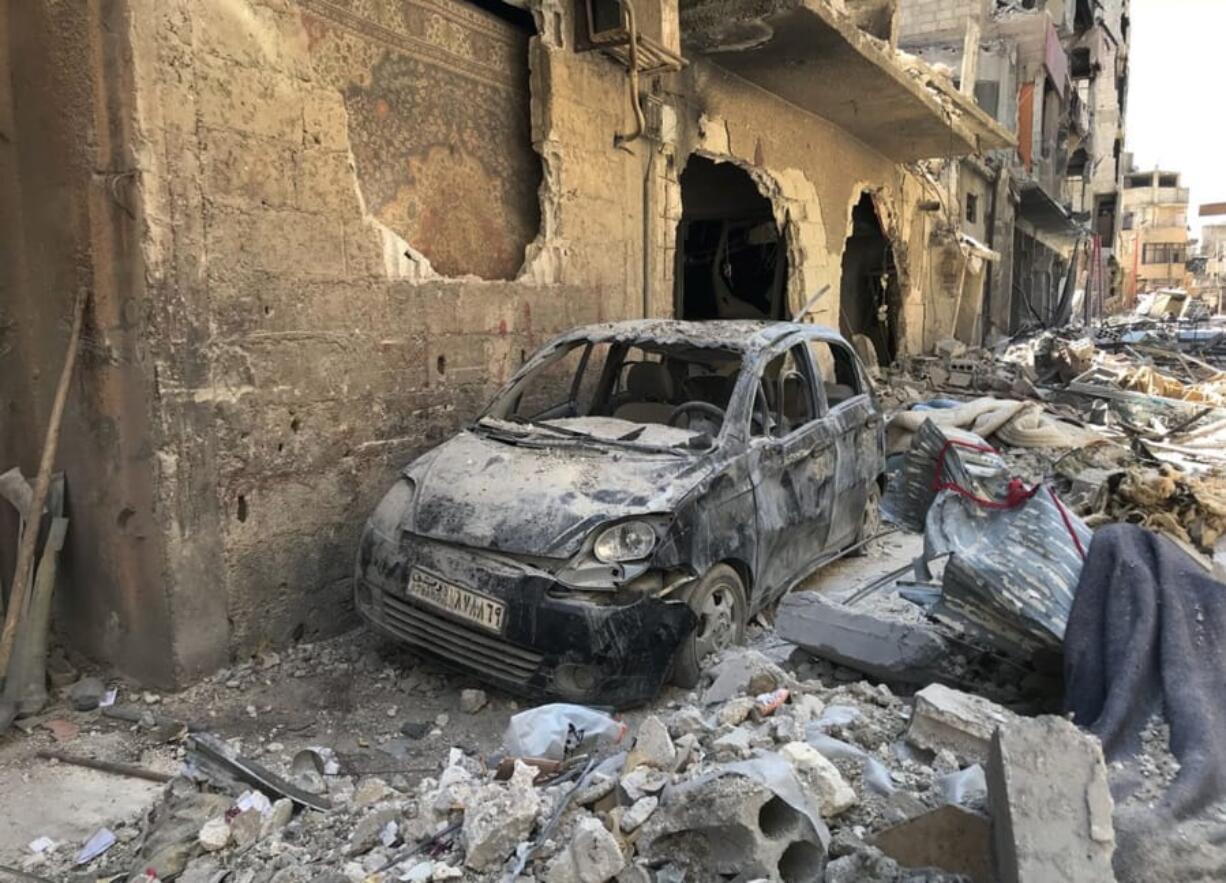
(718, 600)
(870, 522)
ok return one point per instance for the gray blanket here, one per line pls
(1147, 633)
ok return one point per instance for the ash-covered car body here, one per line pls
(636, 488)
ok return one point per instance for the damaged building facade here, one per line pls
(1042, 218)
(318, 234)
(1154, 247)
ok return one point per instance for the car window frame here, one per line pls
(817, 394)
(861, 376)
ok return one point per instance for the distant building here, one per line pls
(1209, 266)
(1154, 240)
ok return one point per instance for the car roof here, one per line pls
(739, 335)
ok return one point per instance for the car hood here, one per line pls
(486, 493)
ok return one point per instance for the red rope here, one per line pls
(1016, 493)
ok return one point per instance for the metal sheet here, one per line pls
(1013, 572)
(912, 491)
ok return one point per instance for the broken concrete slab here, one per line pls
(888, 649)
(1050, 803)
(950, 838)
(961, 722)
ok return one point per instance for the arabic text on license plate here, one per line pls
(471, 606)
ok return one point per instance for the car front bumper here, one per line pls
(549, 645)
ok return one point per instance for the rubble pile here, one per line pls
(760, 775)
(1129, 423)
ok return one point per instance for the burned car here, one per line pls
(628, 500)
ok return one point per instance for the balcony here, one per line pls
(816, 58)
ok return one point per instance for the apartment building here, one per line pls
(1056, 74)
(1154, 242)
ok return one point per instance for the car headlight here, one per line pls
(628, 541)
(390, 512)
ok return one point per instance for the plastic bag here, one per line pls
(560, 730)
(967, 787)
(877, 778)
(830, 747)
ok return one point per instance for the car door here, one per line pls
(792, 467)
(856, 423)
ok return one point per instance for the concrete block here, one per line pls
(948, 718)
(732, 827)
(887, 649)
(950, 838)
(1050, 802)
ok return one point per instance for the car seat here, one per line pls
(650, 389)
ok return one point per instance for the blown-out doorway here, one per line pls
(731, 259)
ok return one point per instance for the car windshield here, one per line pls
(642, 394)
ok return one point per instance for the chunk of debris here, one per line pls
(963, 723)
(594, 852)
(86, 694)
(733, 745)
(245, 828)
(950, 838)
(892, 650)
(652, 746)
(472, 701)
(638, 813)
(369, 831)
(499, 818)
(820, 777)
(1050, 802)
(214, 834)
(643, 781)
(740, 673)
(368, 792)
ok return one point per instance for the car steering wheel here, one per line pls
(702, 407)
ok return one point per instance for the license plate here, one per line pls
(471, 606)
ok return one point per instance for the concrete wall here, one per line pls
(69, 200)
(927, 18)
(324, 233)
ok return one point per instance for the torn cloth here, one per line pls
(1147, 632)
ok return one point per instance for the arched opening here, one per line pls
(731, 258)
(870, 299)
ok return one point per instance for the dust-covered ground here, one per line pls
(406, 732)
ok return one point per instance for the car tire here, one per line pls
(870, 522)
(718, 599)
